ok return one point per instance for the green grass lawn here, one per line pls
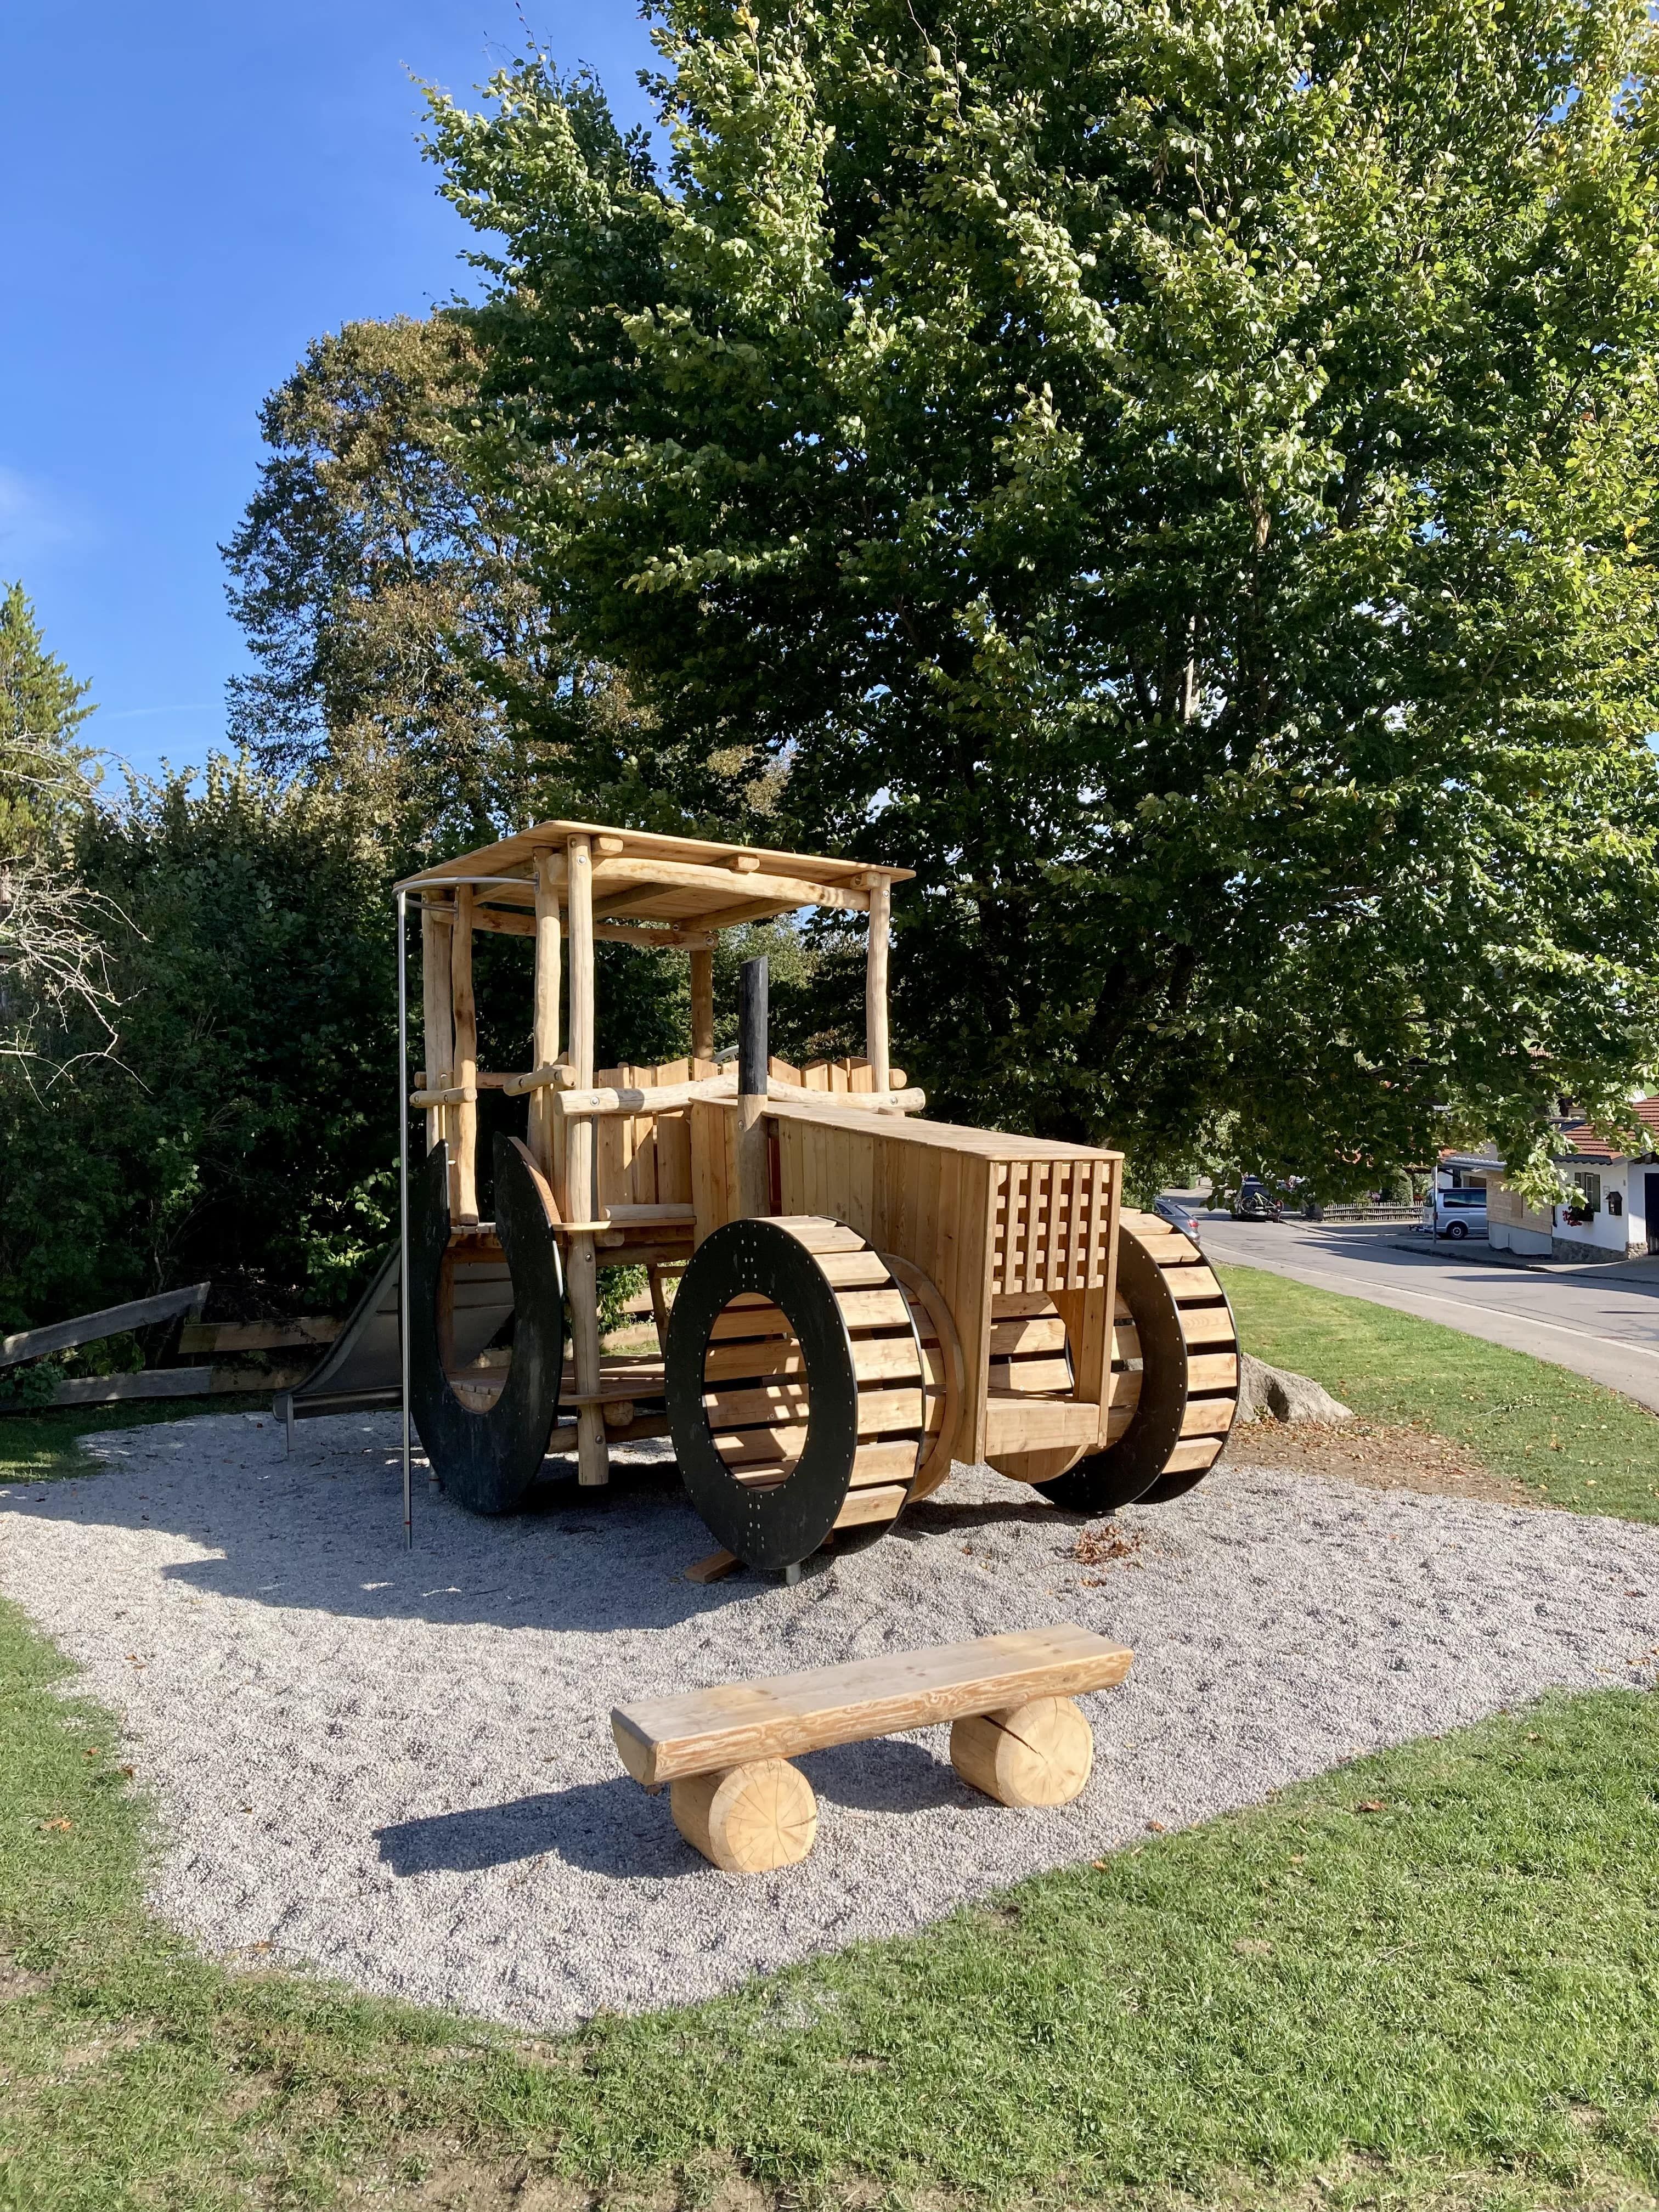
(1570, 1440)
(1429, 1980)
(43, 1447)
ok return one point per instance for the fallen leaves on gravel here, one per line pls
(1094, 1547)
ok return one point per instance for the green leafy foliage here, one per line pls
(42, 706)
(1183, 481)
(243, 1128)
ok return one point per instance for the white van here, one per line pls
(1457, 1213)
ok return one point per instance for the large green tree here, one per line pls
(1181, 476)
(406, 655)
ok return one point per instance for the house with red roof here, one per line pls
(1614, 1211)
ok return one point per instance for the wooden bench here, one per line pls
(725, 1752)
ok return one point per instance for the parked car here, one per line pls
(1456, 1213)
(1178, 1214)
(1256, 1202)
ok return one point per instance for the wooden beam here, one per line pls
(496, 922)
(702, 1006)
(108, 1321)
(733, 917)
(679, 875)
(175, 1383)
(579, 1199)
(661, 1098)
(437, 1016)
(223, 1336)
(464, 1189)
(875, 984)
(545, 1031)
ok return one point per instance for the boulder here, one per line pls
(1274, 1393)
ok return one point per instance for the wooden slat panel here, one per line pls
(752, 1409)
(1042, 1333)
(1015, 1423)
(861, 1507)
(874, 1309)
(852, 1270)
(1037, 1374)
(881, 1412)
(1208, 1325)
(780, 1444)
(1212, 1370)
(884, 1462)
(875, 1360)
(1208, 1417)
(707, 1146)
(1201, 1452)
(756, 1317)
(822, 1235)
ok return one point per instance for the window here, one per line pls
(1590, 1186)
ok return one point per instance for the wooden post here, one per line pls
(702, 1006)
(437, 1019)
(875, 983)
(466, 1058)
(579, 1200)
(544, 1040)
(754, 1162)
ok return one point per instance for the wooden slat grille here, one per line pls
(1051, 1226)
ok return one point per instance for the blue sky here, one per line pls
(193, 191)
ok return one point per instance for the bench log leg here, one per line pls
(748, 1819)
(1038, 1754)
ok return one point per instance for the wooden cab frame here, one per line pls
(1008, 1244)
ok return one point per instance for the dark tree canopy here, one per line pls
(1181, 479)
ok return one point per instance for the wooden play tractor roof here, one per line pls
(689, 885)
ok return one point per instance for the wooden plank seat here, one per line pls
(725, 1752)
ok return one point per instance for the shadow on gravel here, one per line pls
(615, 1827)
(322, 1531)
(608, 1827)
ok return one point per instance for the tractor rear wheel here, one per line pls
(1174, 1321)
(487, 1455)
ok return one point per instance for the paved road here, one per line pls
(1599, 1322)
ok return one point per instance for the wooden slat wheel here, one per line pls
(1175, 1381)
(802, 1403)
(487, 1447)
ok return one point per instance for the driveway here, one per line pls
(1599, 1322)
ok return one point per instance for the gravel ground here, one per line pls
(397, 1767)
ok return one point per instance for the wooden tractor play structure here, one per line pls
(862, 1296)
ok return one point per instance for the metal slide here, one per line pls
(361, 1370)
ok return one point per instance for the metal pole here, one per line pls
(403, 1206)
